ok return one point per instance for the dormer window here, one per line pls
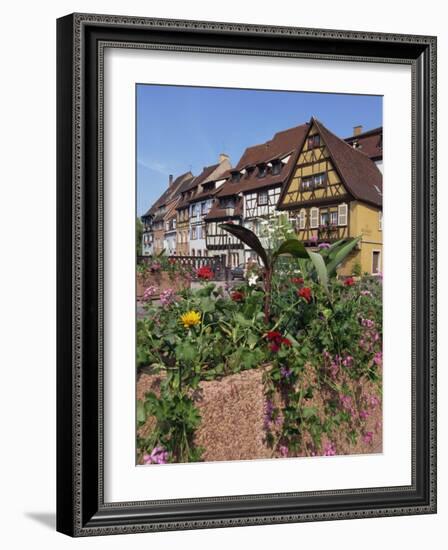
(235, 176)
(313, 141)
(276, 167)
(262, 170)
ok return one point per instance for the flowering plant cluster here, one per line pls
(319, 338)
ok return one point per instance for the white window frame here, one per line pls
(314, 217)
(263, 194)
(302, 218)
(343, 214)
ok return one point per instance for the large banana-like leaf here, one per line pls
(341, 254)
(293, 247)
(320, 267)
(247, 237)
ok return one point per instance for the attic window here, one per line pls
(276, 167)
(236, 175)
(313, 141)
(262, 170)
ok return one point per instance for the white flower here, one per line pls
(253, 280)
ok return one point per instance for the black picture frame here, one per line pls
(81, 510)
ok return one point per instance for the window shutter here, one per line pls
(342, 214)
(314, 218)
(302, 219)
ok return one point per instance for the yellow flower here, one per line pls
(190, 319)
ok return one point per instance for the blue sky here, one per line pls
(185, 128)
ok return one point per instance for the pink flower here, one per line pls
(364, 414)
(378, 358)
(373, 401)
(283, 450)
(329, 449)
(149, 293)
(365, 293)
(367, 323)
(348, 361)
(368, 438)
(167, 297)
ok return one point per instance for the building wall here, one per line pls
(364, 220)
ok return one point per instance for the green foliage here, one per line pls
(138, 236)
(320, 338)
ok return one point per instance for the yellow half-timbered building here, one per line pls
(335, 192)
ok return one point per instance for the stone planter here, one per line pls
(233, 411)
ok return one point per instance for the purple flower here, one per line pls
(313, 238)
(367, 323)
(268, 411)
(158, 456)
(323, 245)
(286, 372)
(364, 414)
(368, 438)
(329, 449)
(373, 401)
(348, 361)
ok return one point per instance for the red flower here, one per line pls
(237, 296)
(349, 281)
(274, 336)
(277, 340)
(297, 281)
(305, 293)
(205, 273)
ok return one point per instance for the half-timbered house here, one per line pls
(370, 143)
(156, 218)
(335, 192)
(252, 190)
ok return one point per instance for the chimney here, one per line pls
(357, 130)
(170, 180)
(223, 157)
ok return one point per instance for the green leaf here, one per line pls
(340, 256)
(247, 237)
(321, 268)
(141, 415)
(308, 412)
(294, 247)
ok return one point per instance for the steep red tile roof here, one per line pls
(370, 143)
(169, 193)
(193, 185)
(284, 143)
(360, 175)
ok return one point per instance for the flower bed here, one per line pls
(206, 347)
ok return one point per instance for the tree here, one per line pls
(138, 236)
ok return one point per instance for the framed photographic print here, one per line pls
(246, 274)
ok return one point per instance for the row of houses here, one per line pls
(330, 187)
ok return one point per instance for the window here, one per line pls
(262, 170)
(324, 217)
(314, 218)
(307, 183)
(320, 179)
(276, 167)
(236, 176)
(193, 233)
(380, 220)
(199, 231)
(262, 198)
(193, 210)
(334, 217)
(376, 261)
(302, 219)
(313, 141)
(203, 207)
(342, 214)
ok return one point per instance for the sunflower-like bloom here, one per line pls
(190, 319)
